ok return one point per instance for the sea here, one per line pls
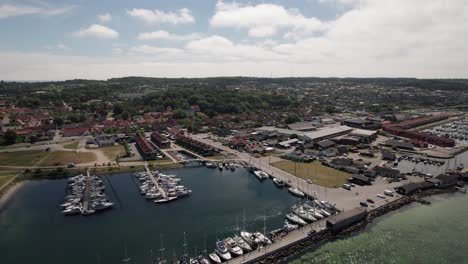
(33, 230)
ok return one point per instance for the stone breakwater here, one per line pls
(326, 236)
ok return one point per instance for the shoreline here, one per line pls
(8, 192)
(314, 242)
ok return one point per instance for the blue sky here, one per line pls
(55, 40)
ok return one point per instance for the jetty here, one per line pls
(87, 192)
(155, 182)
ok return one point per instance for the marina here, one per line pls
(218, 199)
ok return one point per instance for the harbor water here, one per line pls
(437, 233)
(32, 229)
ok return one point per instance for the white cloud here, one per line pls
(264, 20)
(147, 49)
(9, 10)
(183, 16)
(384, 38)
(97, 31)
(105, 17)
(164, 35)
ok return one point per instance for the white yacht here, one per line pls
(261, 174)
(222, 251)
(262, 238)
(296, 192)
(215, 258)
(233, 247)
(242, 243)
(295, 219)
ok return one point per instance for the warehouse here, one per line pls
(360, 179)
(345, 219)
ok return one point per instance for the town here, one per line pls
(346, 147)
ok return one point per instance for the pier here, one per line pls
(87, 192)
(155, 182)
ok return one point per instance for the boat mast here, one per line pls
(244, 219)
(126, 259)
(162, 249)
(206, 250)
(237, 225)
(264, 225)
(185, 249)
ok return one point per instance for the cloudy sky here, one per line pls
(57, 40)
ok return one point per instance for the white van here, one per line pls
(388, 193)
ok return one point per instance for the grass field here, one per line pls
(113, 152)
(72, 145)
(21, 158)
(316, 172)
(61, 158)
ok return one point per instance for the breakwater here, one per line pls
(320, 238)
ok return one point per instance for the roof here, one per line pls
(336, 219)
(360, 177)
(363, 132)
(288, 142)
(301, 126)
(399, 144)
(329, 131)
(326, 143)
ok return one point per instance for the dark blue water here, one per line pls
(32, 229)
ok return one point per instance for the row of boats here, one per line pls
(161, 188)
(303, 214)
(222, 166)
(261, 175)
(85, 195)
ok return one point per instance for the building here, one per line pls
(362, 123)
(388, 155)
(147, 151)
(365, 136)
(160, 140)
(360, 179)
(195, 145)
(393, 143)
(444, 181)
(75, 131)
(327, 133)
(413, 187)
(386, 172)
(302, 126)
(345, 219)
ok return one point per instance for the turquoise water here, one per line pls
(32, 229)
(417, 234)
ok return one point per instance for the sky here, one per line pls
(70, 39)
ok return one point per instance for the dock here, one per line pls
(286, 241)
(87, 192)
(155, 182)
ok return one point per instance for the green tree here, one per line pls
(179, 114)
(10, 136)
(292, 118)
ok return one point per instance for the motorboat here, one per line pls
(242, 243)
(288, 227)
(295, 219)
(165, 200)
(250, 239)
(233, 247)
(203, 260)
(210, 165)
(296, 192)
(279, 183)
(261, 174)
(215, 258)
(222, 250)
(262, 238)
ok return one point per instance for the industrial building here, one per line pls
(345, 219)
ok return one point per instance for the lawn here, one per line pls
(21, 158)
(72, 145)
(316, 172)
(61, 158)
(112, 152)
